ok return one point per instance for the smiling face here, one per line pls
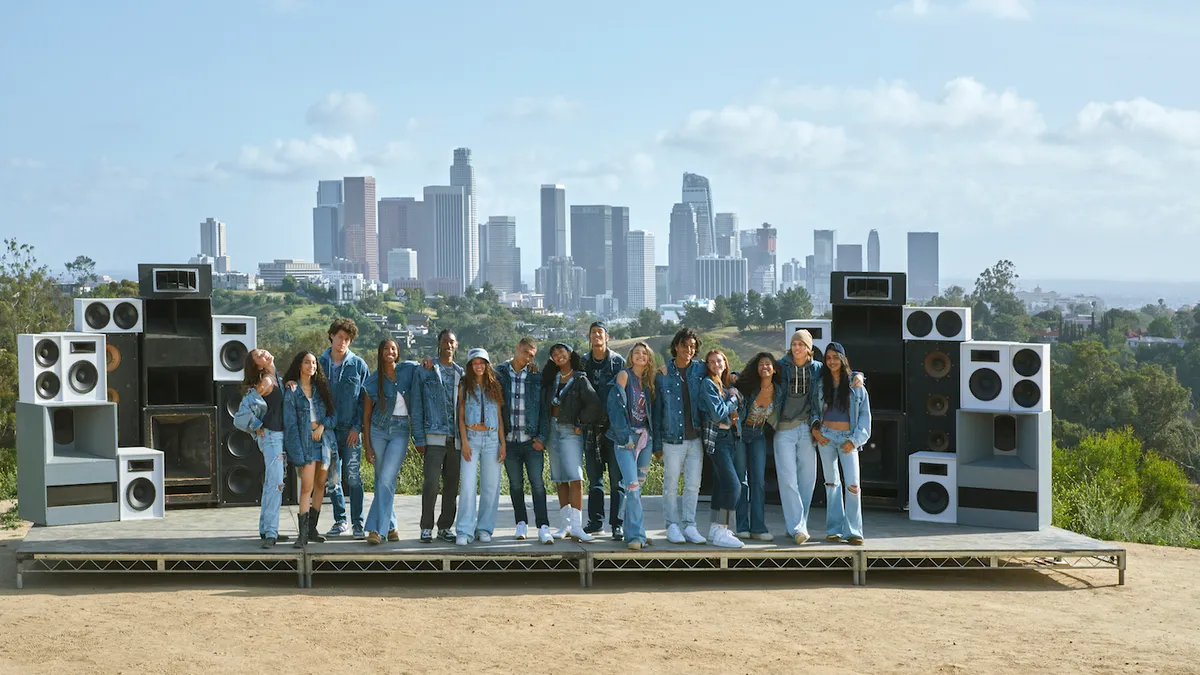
(308, 367)
(640, 357)
(561, 357)
(390, 353)
(447, 346)
(833, 361)
(716, 365)
(478, 366)
(766, 368)
(800, 351)
(264, 360)
(686, 350)
(598, 337)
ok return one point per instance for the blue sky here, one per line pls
(1061, 134)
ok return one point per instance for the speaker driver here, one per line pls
(1027, 362)
(985, 384)
(1027, 393)
(83, 377)
(233, 356)
(933, 498)
(96, 316)
(140, 494)
(112, 357)
(125, 315)
(1004, 433)
(919, 324)
(231, 406)
(949, 324)
(939, 440)
(47, 385)
(240, 480)
(937, 405)
(937, 364)
(46, 353)
(240, 445)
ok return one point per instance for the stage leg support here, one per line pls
(1121, 568)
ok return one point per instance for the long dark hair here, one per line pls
(379, 362)
(842, 396)
(251, 373)
(488, 382)
(550, 370)
(749, 381)
(318, 378)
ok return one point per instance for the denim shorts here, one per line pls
(566, 454)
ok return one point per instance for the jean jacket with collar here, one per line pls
(479, 408)
(348, 390)
(602, 373)
(532, 395)
(407, 384)
(432, 416)
(249, 417)
(668, 403)
(620, 413)
(716, 408)
(860, 414)
(297, 422)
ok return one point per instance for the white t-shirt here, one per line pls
(401, 409)
(312, 411)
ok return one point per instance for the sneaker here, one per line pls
(544, 535)
(426, 536)
(446, 536)
(800, 537)
(461, 540)
(725, 539)
(393, 536)
(833, 537)
(743, 535)
(856, 541)
(764, 536)
(674, 535)
(373, 538)
(617, 534)
(693, 535)
(485, 537)
(634, 546)
(593, 526)
(338, 530)
(522, 530)
(360, 533)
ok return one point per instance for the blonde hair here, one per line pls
(646, 379)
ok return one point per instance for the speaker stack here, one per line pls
(121, 322)
(239, 463)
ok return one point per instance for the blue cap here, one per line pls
(836, 347)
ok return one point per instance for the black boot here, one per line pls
(314, 535)
(302, 537)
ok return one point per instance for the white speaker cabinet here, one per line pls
(141, 483)
(933, 487)
(945, 324)
(821, 330)
(986, 373)
(1030, 378)
(108, 315)
(62, 368)
(233, 338)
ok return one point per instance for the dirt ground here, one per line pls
(903, 622)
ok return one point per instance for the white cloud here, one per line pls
(1140, 117)
(1004, 10)
(338, 110)
(392, 153)
(293, 158)
(610, 175)
(557, 107)
(1009, 10)
(25, 163)
(757, 133)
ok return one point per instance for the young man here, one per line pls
(434, 432)
(346, 373)
(526, 444)
(601, 366)
(677, 419)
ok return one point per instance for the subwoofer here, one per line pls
(123, 366)
(1004, 470)
(883, 461)
(933, 394)
(239, 461)
(67, 463)
(186, 435)
(176, 352)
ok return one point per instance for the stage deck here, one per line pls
(226, 540)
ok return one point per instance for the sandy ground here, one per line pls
(904, 622)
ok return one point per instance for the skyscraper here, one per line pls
(361, 224)
(824, 261)
(562, 282)
(873, 251)
(758, 248)
(849, 258)
(447, 205)
(592, 244)
(503, 269)
(681, 252)
(923, 279)
(620, 252)
(696, 191)
(721, 277)
(726, 226)
(462, 174)
(212, 244)
(327, 223)
(662, 285)
(554, 222)
(393, 231)
(402, 264)
(640, 271)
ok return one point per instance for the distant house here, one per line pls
(1135, 341)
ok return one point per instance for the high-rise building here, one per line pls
(212, 244)
(662, 285)
(792, 272)
(592, 245)
(361, 223)
(824, 263)
(620, 249)
(327, 234)
(810, 274)
(758, 248)
(503, 269)
(682, 251)
(554, 222)
(393, 231)
(329, 193)
(562, 283)
(462, 174)
(401, 264)
(721, 277)
(640, 271)
(726, 227)
(923, 280)
(849, 258)
(873, 251)
(447, 205)
(698, 193)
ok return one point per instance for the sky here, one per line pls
(1059, 134)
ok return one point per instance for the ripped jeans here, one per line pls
(634, 460)
(844, 520)
(271, 446)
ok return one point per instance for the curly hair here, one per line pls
(343, 325)
(681, 336)
(749, 381)
(320, 384)
(550, 370)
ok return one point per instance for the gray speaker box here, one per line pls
(67, 463)
(1004, 470)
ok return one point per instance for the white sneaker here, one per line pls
(712, 531)
(800, 537)
(522, 530)
(565, 514)
(743, 535)
(764, 536)
(461, 540)
(693, 535)
(544, 535)
(726, 539)
(674, 535)
(485, 538)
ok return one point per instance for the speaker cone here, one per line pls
(939, 440)
(937, 405)
(1004, 433)
(96, 316)
(125, 315)
(240, 444)
(140, 494)
(46, 353)
(231, 406)
(937, 365)
(1027, 393)
(233, 356)
(949, 324)
(241, 481)
(933, 498)
(920, 324)
(47, 385)
(112, 357)
(985, 384)
(1027, 362)
(83, 377)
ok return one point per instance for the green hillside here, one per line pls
(742, 345)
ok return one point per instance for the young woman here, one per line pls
(482, 431)
(845, 427)
(719, 417)
(630, 402)
(308, 423)
(568, 402)
(759, 386)
(261, 414)
(392, 392)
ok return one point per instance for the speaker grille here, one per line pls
(939, 440)
(140, 494)
(933, 498)
(96, 316)
(985, 384)
(240, 481)
(949, 324)
(240, 444)
(919, 324)
(1004, 433)
(1027, 393)
(112, 357)
(937, 405)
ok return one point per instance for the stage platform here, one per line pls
(226, 541)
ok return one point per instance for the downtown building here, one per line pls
(502, 255)
(641, 272)
(721, 277)
(682, 251)
(360, 224)
(923, 279)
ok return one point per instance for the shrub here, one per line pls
(8, 474)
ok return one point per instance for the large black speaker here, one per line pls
(176, 352)
(872, 337)
(174, 280)
(933, 394)
(883, 461)
(125, 386)
(239, 461)
(186, 435)
(868, 288)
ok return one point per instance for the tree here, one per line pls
(737, 308)
(794, 303)
(288, 285)
(955, 296)
(81, 271)
(997, 312)
(117, 289)
(721, 314)
(647, 323)
(698, 316)
(754, 313)
(1162, 327)
(770, 311)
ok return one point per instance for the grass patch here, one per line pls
(9, 520)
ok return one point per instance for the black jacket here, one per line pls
(580, 405)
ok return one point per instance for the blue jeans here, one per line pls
(751, 463)
(521, 459)
(633, 463)
(271, 446)
(345, 478)
(842, 520)
(796, 466)
(484, 467)
(726, 486)
(600, 457)
(390, 443)
(686, 457)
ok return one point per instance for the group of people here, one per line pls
(595, 414)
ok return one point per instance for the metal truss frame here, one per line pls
(196, 563)
(697, 561)
(994, 560)
(453, 563)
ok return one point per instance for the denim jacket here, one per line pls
(715, 408)
(532, 395)
(348, 390)
(297, 430)
(668, 403)
(407, 384)
(431, 416)
(785, 367)
(860, 414)
(602, 373)
(478, 408)
(620, 413)
(249, 417)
